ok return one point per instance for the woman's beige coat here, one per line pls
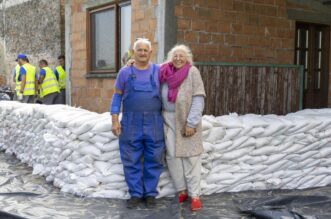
(191, 86)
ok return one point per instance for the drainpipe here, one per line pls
(67, 15)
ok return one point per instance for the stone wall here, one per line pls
(34, 27)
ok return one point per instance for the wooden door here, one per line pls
(312, 46)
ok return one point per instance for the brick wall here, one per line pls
(92, 93)
(236, 30)
(144, 22)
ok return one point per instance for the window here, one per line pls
(109, 31)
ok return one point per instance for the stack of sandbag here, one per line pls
(76, 150)
(253, 152)
(73, 148)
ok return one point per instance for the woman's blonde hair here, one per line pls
(182, 48)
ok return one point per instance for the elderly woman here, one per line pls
(183, 102)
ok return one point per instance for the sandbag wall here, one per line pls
(75, 149)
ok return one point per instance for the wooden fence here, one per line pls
(259, 89)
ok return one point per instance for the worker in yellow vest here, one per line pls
(48, 85)
(26, 78)
(60, 74)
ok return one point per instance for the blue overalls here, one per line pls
(142, 138)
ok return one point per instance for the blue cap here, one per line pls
(21, 56)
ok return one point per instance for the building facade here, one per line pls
(232, 31)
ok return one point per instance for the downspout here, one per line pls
(67, 15)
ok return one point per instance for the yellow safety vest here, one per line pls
(62, 77)
(50, 84)
(29, 88)
(18, 83)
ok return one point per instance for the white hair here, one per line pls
(183, 48)
(144, 41)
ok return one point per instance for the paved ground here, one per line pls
(28, 196)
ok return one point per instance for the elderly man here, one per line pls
(140, 133)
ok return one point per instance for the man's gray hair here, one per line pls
(142, 41)
(183, 48)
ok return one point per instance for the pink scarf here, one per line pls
(174, 78)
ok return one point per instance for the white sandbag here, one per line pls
(256, 131)
(254, 120)
(109, 155)
(82, 129)
(102, 126)
(89, 181)
(326, 151)
(84, 172)
(215, 178)
(110, 179)
(266, 150)
(103, 167)
(211, 119)
(232, 155)
(215, 134)
(229, 121)
(207, 147)
(86, 136)
(222, 146)
(64, 154)
(99, 139)
(206, 125)
(91, 151)
(113, 145)
(231, 133)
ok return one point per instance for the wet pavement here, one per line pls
(23, 195)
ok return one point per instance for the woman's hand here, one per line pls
(188, 131)
(130, 62)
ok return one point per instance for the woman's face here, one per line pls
(179, 59)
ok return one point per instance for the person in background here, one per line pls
(141, 136)
(49, 86)
(183, 96)
(27, 79)
(15, 72)
(60, 73)
(127, 56)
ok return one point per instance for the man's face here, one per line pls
(61, 62)
(142, 53)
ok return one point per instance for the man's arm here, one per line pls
(41, 79)
(23, 82)
(115, 110)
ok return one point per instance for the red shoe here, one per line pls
(182, 197)
(196, 204)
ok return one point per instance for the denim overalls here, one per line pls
(142, 138)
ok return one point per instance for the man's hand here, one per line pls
(188, 131)
(116, 126)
